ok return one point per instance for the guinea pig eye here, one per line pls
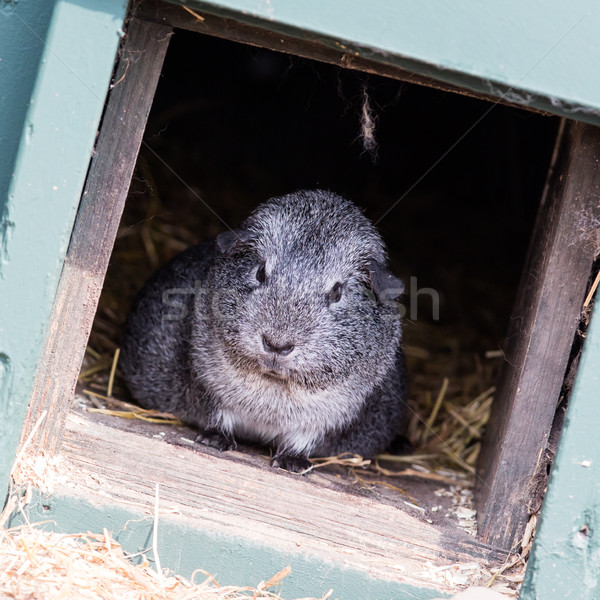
(261, 273)
(335, 293)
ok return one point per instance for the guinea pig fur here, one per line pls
(286, 331)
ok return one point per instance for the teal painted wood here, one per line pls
(183, 548)
(542, 53)
(56, 60)
(566, 553)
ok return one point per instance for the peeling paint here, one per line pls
(6, 376)
(28, 133)
(511, 95)
(6, 230)
(8, 6)
(583, 542)
(33, 158)
(572, 108)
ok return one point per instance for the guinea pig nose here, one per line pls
(269, 346)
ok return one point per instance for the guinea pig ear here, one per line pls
(385, 285)
(228, 240)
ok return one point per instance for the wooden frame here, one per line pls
(242, 499)
(95, 228)
(56, 67)
(89, 449)
(496, 57)
(563, 243)
(516, 457)
(236, 31)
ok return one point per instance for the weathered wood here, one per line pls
(288, 513)
(565, 243)
(464, 43)
(95, 228)
(56, 61)
(237, 31)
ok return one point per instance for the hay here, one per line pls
(118, 408)
(41, 564)
(35, 563)
(194, 14)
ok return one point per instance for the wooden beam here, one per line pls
(253, 505)
(565, 244)
(93, 235)
(254, 35)
(56, 61)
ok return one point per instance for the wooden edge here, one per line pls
(94, 232)
(290, 514)
(188, 550)
(229, 29)
(547, 312)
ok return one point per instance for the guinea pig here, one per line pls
(285, 332)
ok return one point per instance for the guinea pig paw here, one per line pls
(293, 463)
(216, 439)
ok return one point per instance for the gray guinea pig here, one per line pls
(286, 331)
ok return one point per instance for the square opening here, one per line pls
(453, 184)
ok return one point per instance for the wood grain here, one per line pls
(95, 228)
(286, 512)
(565, 244)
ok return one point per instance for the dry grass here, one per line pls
(35, 563)
(40, 564)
